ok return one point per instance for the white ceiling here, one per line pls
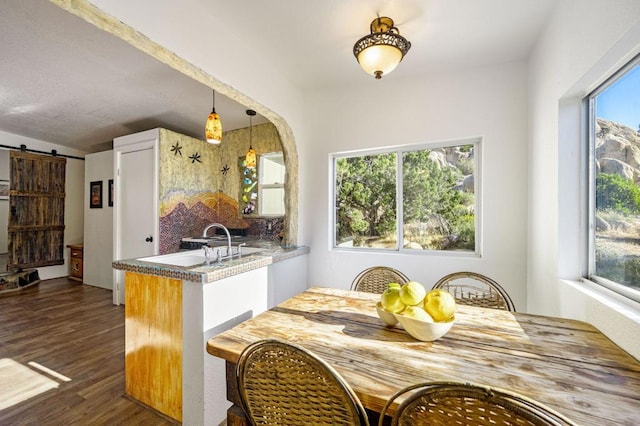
(312, 41)
(66, 82)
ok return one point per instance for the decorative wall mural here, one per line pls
(187, 213)
(190, 201)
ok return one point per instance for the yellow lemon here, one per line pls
(390, 299)
(395, 286)
(417, 312)
(412, 293)
(440, 304)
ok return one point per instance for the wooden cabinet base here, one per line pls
(76, 262)
(153, 343)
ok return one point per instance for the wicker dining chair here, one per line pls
(284, 384)
(471, 288)
(376, 279)
(450, 403)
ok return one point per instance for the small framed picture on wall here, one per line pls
(110, 192)
(95, 195)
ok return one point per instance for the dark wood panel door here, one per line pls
(36, 210)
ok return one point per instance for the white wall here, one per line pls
(484, 102)
(585, 41)
(98, 223)
(207, 314)
(74, 196)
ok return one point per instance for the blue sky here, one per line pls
(620, 102)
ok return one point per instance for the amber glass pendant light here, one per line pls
(250, 159)
(213, 128)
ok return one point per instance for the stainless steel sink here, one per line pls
(217, 237)
(193, 257)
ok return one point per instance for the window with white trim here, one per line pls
(271, 184)
(614, 182)
(421, 197)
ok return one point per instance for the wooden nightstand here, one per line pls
(76, 261)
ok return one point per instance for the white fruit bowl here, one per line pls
(386, 316)
(422, 330)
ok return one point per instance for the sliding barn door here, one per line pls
(36, 210)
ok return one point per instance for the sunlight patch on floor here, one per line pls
(19, 383)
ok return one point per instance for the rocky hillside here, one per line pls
(617, 150)
(459, 158)
(617, 243)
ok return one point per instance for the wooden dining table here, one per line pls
(566, 364)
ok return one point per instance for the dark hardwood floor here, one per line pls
(63, 343)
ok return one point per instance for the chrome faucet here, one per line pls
(209, 252)
(224, 228)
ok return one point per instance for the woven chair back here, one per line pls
(284, 384)
(376, 279)
(448, 403)
(471, 288)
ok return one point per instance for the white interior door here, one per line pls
(136, 218)
(137, 231)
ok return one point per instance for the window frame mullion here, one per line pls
(399, 200)
(591, 189)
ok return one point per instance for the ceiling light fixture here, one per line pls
(380, 52)
(213, 128)
(250, 158)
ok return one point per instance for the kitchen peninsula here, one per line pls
(174, 303)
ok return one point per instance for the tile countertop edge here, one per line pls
(207, 274)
